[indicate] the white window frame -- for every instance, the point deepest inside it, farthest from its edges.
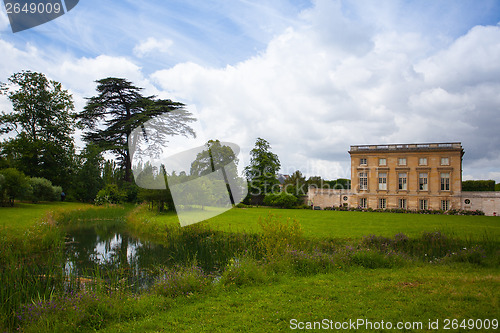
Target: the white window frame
(423, 181)
(403, 181)
(382, 161)
(403, 204)
(422, 161)
(423, 204)
(363, 202)
(402, 161)
(382, 203)
(445, 181)
(382, 181)
(363, 161)
(445, 161)
(363, 180)
(445, 205)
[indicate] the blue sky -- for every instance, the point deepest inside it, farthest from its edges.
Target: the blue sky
(311, 77)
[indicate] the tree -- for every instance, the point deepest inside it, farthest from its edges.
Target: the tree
(478, 185)
(43, 121)
(296, 184)
(13, 185)
(217, 157)
(117, 110)
(88, 179)
(263, 168)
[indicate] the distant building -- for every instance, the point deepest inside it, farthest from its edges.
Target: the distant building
(407, 176)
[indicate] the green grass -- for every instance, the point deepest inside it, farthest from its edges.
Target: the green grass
(261, 291)
(410, 294)
(355, 225)
(15, 220)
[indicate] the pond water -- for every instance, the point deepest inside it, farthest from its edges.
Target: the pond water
(109, 252)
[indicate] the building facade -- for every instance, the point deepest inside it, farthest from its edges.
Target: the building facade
(407, 176)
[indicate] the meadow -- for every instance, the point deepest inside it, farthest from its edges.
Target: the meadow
(256, 269)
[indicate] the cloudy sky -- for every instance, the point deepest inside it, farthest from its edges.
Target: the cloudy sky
(310, 77)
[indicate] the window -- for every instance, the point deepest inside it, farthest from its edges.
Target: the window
(445, 204)
(362, 161)
(382, 203)
(402, 181)
(423, 204)
(445, 161)
(402, 161)
(362, 202)
(422, 161)
(382, 161)
(382, 181)
(363, 180)
(402, 203)
(445, 181)
(422, 182)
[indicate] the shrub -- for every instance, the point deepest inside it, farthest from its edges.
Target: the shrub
(243, 271)
(180, 281)
(14, 185)
(278, 236)
(109, 194)
(42, 190)
(283, 200)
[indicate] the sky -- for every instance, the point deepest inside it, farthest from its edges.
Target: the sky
(310, 77)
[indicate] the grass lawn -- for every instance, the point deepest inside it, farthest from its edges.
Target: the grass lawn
(416, 294)
(336, 224)
(17, 219)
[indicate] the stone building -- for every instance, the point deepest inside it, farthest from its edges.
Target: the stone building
(407, 176)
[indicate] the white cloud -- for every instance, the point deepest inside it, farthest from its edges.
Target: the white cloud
(4, 21)
(323, 86)
(152, 45)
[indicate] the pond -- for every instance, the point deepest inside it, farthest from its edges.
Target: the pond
(107, 251)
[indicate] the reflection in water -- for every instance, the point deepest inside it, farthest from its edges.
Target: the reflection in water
(110, 252)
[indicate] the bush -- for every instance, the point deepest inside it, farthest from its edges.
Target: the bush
(278, 237)
(13, 185)
(283, 200)
(180, 281)
(42, 190)
(243, 271)
(109, 194)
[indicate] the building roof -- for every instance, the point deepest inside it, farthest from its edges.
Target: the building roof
(441, 146)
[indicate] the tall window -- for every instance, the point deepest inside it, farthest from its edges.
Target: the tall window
(382, 181)
(445, 161)
(363, 180)
(382, 161)
(402, 161)
(422, 182)
(362, 161)
(382, 203)
(362, 202)
(402, 181)
(445, 204)
(402, 203)
(445, 181)
(423, 204)
(422, 161)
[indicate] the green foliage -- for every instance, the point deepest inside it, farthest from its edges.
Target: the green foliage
(282, 199)
(44, 123)
(41, 189)
(244, 270)
(478, 185)
(110, 194)
(13, 185)
(497, 187)
(110, 117)
(182, 281)
(277, 237)
(88, 180)
(296, 184)
(263, 168)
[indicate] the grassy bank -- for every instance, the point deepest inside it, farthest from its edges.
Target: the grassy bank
(256, 269)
